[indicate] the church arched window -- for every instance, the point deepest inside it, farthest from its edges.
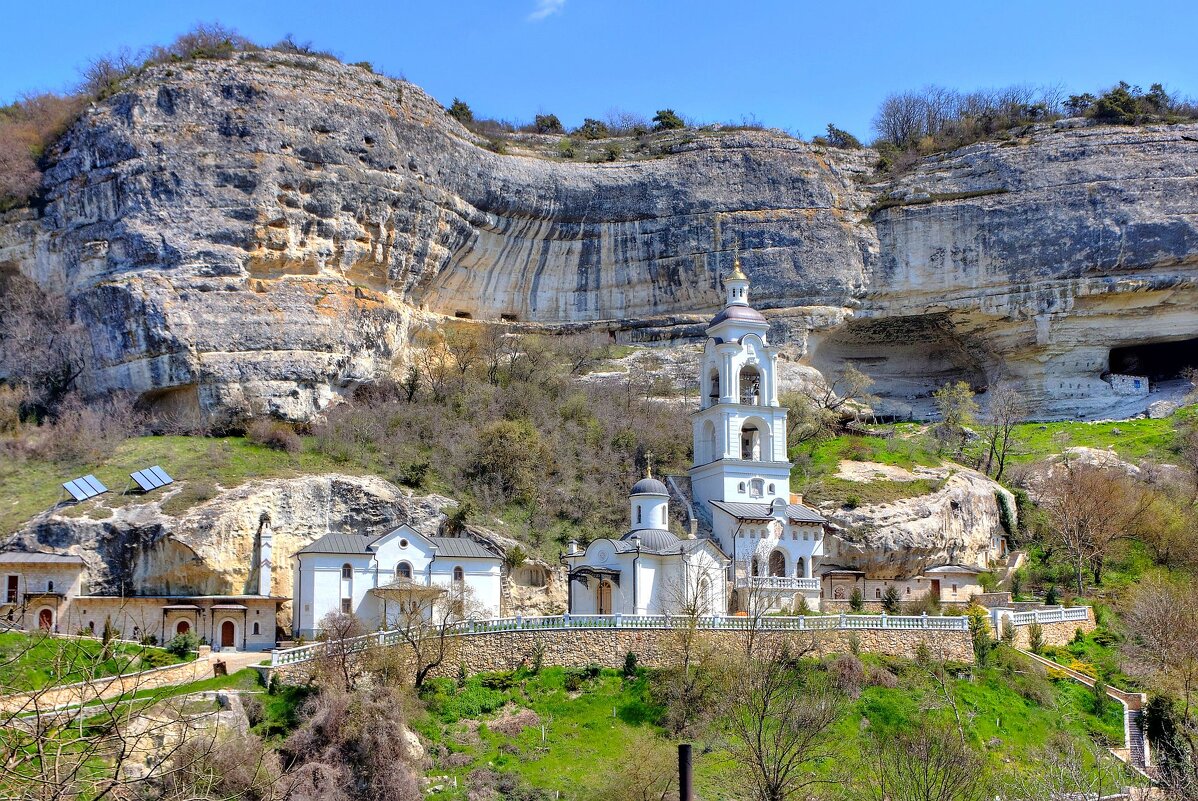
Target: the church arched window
(663, 516)
(772, 489)
(799, 565)
(777, 563)
(459, 575)
(741, 488)
(756, 487)
(403, 570)
(347, 571)
(638, 515)
(713, 387)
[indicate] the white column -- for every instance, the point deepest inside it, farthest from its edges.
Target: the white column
(265, 548)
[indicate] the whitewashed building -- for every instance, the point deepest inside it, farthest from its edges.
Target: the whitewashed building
(741, 473)
(371, 576)
(649, 570)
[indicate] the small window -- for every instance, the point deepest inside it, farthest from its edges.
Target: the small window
(346, 606)
(256, 629)
(458, 573)
(347, 571)
(49, 586)
(756, 488)
(954, 589)
(877, 592)
(663, 515)
(772, 490)
(403, 570)
(741, 488)
(908, 591)
(638, 515)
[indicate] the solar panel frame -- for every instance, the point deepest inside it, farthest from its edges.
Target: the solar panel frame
(76, 493)
(95, 484)
(145, 482)
(162, 475)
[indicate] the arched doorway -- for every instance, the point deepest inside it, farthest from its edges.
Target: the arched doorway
(603, 599)
(800, 568)
(228, 634)
(45, 620)
(182, 627)
(777, 563)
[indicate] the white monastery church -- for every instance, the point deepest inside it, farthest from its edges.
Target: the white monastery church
(764, 542)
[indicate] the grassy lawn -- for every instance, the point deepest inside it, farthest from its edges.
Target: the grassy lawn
(199, 464)
(851, 494)
(1133, 440)
(1010, 714)
(31, 662)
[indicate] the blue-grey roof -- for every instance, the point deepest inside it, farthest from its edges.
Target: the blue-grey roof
(649, 486)
(653, 539)
(953, 569)
(339, 543)
(796, 512)
(37, 557)
(460, 547)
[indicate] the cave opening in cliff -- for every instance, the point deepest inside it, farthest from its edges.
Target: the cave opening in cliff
(1157, 361)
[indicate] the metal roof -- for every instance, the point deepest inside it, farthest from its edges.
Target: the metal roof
(953, 569)
(339, 543)
(461, 547)
(652, 539)
(649, 486)
(36, 557)
(763, 511)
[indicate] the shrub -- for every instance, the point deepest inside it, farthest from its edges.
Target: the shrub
(881, 677)
(538, 658)
(514, 557)
(592, 129)
(611, 151)
(461, 674)
(504, 680)
(183, 644)
(274, 434)
(629, 665)
(548, 124)
(856, 600)
(565, 148)
(847, 674)
(460, 111)
(414, 474)
(1008, 632)
(891, 600)
(979, 632)
(801, 607)
(1098, 698)
(840, 138)
(1017, 584)
(1052, 596)
(666, 120)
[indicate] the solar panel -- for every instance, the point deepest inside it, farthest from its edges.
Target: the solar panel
(86, 487)
(151, 478)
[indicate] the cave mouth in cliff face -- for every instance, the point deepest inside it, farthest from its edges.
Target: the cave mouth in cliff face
(908, 359)
(1158, 361)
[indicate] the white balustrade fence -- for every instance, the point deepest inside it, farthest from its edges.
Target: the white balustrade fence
(797, 583)
(1059, 615)
(842, 622)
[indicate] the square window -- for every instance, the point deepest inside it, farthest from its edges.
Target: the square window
(346, 605)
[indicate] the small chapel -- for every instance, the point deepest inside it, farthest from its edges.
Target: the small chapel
(763, 542)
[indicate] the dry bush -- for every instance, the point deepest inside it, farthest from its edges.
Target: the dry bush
(41, 346)
(847, 674)
(512, 722)
(274, 434)
(233, 765)
(352, 746)
(88, 432)
(649, 776)
(27, 129)
(881, 677)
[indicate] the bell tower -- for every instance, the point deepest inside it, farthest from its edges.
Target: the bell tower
(740, 428)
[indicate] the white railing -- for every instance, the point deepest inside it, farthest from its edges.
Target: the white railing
(1059, 615)
(780, 583)
(841, 622)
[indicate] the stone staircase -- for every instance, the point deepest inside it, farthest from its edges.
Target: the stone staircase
(1135, 752)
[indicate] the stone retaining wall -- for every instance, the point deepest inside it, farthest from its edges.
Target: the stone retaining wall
(110, 687)
(1056, 633)
(659, 647)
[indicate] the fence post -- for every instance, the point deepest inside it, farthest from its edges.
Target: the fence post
(884, 624)
(924, 622)
(619, 620)
(840, 624)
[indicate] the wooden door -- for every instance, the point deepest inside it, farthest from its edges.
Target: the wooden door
(936, 589)
(10, 596)
(183, 627)
(45, 620)
(228, 633)
(604, 605)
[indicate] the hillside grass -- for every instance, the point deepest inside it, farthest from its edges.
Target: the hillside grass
(33, 661)
(199, 465)
(1010, 717)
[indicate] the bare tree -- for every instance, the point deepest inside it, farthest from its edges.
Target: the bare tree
(337, 660)
(1068, 769)
(696, 678)
(650, 776)
(427, 622)
(1090, 508)
(1162, 646)
(926, 763)
(958, 411)
(780, 722)
(434, 362)
(41, 346)
(1005, 408)
(849, 387)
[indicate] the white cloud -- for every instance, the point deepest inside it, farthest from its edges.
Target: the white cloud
(546, 8)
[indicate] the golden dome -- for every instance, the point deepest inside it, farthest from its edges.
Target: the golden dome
(737, 273)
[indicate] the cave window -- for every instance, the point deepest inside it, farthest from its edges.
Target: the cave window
(509, 318)
(463, 315)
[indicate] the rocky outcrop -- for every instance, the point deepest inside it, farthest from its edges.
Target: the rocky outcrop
(957, 523)
(263, 232)
(209, 549)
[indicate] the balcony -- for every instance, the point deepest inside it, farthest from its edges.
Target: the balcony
(786, 583)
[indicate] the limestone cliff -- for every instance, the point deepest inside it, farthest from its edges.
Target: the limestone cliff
(262, 232)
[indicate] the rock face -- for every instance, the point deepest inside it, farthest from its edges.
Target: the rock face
(955, 524)
(209, 549)
(263, 232)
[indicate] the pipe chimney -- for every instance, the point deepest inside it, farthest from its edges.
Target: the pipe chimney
(265, 547)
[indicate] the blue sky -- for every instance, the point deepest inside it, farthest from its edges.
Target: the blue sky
(790, 64)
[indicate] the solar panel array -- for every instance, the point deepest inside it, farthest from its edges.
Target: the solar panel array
(83, 488)
(151, 478)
